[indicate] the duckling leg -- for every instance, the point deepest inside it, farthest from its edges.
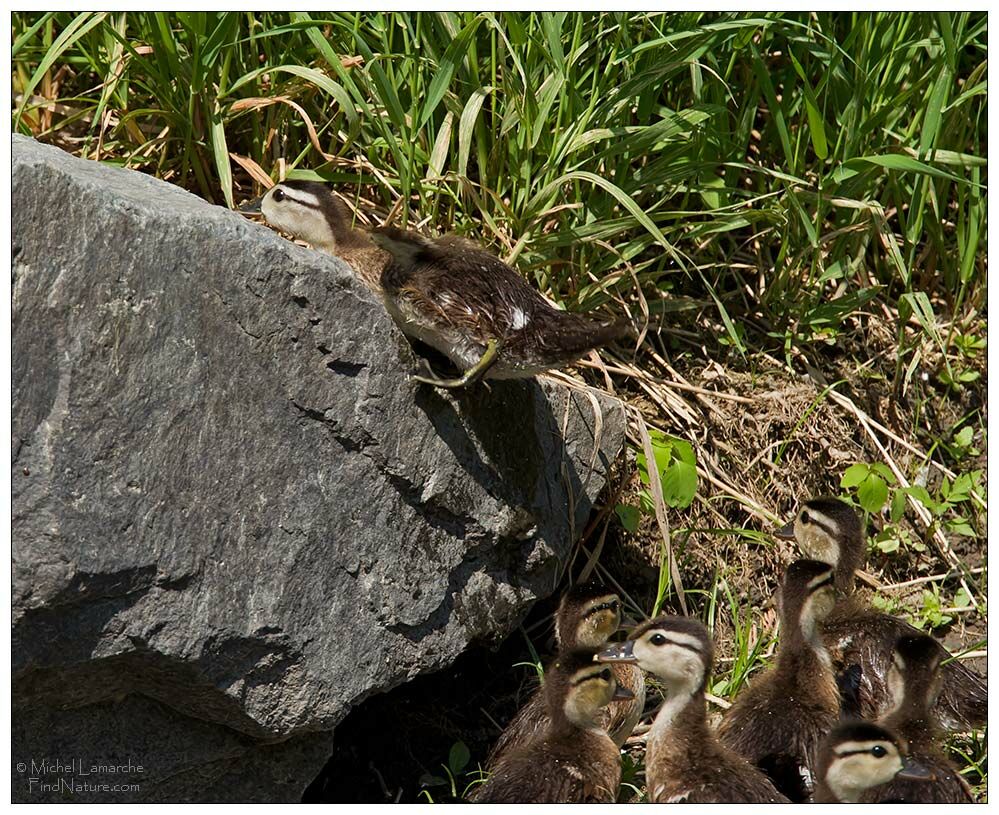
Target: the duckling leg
(473, 374)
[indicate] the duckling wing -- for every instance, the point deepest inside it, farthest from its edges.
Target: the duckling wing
(528, 723)
(548, 772)
(861, 642)
(453, 283)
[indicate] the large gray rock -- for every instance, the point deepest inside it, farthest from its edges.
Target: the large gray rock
(234, 515)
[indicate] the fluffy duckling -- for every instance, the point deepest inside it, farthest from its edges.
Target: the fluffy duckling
(588, 615)
(861, 639)
(857, 756)
(778, 722)
(573, 761)
(309, 211)
(914, 679)
(684, 761)
(479, 312)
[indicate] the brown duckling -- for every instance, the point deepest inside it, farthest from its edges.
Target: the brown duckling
(479, 312)
(573, 760)
(857, 756)
(861, 639)
(914, 679)
(779, 720)
(587, 616)
(310, 211)
(684, 761)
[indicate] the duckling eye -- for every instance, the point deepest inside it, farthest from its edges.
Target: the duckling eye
(279, 194)
(878, 751)
(657, 639)
(805, 519)
(614, 605)
(606, 674)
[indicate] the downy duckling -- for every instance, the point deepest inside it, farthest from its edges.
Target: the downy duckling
(587, 616)
(573, 761)
(914, 679)
(857, 756)
(684, 761)
(479, 312)
(779, 720)
(861, 639)
(309, 211)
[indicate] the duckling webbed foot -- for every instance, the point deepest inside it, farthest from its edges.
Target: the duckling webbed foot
(472, 375)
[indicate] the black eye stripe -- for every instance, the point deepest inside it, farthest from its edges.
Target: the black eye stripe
(610, 605)
(827, 582)
(667, 641)
(869, 751)
(588, 678)
(811, 520)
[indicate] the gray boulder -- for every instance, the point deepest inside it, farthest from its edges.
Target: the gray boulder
(235, 517)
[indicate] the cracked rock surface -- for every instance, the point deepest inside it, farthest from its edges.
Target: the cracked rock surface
(234, 515)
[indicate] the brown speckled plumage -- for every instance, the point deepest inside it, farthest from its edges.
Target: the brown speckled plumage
(565, 763)
(684, 761)
(618, 718)
(457, 297)
(913, 722)
(861, 639)
(778, 722)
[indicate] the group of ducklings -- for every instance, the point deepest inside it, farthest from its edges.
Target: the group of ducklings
(851, 710)
(856, 700)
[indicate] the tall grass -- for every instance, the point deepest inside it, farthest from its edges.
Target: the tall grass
(780, 167)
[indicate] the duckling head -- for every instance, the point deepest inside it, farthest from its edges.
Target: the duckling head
(678, 650)
(913, 677)
(587, 616)
(576, 688)
(808, 594)
(308, 210)
(857, 755)
(829, 530)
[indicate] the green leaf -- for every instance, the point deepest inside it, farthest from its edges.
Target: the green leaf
(854, 475)
(908, 164)
(459, 757)
(467, 124)
(872, 493)
(884, 471)
(629, 517)
(456, 52)
(964, 436)
(680, 484)
(816, 127)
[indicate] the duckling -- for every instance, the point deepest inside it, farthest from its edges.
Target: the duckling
(861, 639)
(779, 720)
(857, 756)
(572, 760)
(586, 618)
(684, 761)
(310, 211)
(914, 679)
(479, 312)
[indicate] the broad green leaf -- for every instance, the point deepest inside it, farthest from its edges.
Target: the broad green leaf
(680, 484)
(872, 494)
(854, 475)
(629, 517)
